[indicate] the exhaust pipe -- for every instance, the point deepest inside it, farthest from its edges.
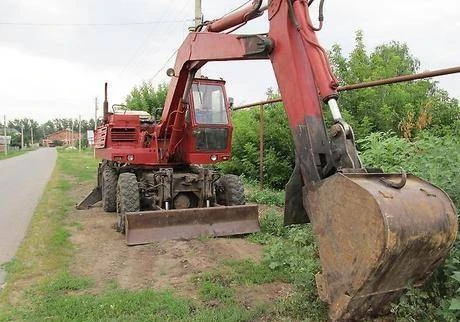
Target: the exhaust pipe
(106, 104)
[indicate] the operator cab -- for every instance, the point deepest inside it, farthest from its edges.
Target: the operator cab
(209, 122)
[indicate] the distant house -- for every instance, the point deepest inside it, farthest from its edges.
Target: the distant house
(63, 137)
(4, 140)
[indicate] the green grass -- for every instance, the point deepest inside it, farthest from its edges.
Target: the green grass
(14, 153)
(290, 256)
(210, 290)
(265, 196)
(40, 287)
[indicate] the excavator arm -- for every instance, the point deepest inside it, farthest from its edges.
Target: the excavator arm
(198, 49)
(377, 232)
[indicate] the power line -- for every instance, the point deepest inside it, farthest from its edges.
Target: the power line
(115, 24)
(143, 45)
(139, 57)
(237, 8)
(175, 51)
(164, 65)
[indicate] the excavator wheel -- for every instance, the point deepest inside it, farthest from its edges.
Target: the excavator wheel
(109, 188)
(127, 194)
(230, 190)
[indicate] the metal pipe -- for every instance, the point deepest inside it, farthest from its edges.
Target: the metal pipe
(5, 142)
(386, 81)
(400, 79)
(241, 107)
(236, 18)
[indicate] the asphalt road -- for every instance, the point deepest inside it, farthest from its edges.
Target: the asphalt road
(22, 181)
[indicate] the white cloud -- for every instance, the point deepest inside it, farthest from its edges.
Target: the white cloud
(48, 72)
(42, 88)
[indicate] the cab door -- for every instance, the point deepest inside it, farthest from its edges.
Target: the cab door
(210, 122)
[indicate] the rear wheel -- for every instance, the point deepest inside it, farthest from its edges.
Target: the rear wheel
(127, 197)
(230, 190)
(109, 188)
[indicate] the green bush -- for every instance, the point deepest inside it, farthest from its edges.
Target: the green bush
(278, 152)
(437, 160)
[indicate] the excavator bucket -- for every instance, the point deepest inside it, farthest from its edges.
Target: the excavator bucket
(147, 226)
(376, 237)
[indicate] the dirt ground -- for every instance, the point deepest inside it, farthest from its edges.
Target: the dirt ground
(101, 254)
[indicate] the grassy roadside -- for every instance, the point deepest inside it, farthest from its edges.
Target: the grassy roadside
(14, 153)
(40, 287)
(45, 251)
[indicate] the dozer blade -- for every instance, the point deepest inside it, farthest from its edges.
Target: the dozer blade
(376, 238)
(148, 226)
(91, 199)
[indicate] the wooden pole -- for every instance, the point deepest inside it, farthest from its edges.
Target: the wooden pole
(22, 136)
(79, 132)
(5, 142)
(261, 146)
(198, 14)
(95, 127)
(31, 133)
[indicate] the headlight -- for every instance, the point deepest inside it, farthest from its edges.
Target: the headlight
(213, 157)
(130, 157)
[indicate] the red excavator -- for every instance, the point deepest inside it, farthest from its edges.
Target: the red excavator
(376, 232)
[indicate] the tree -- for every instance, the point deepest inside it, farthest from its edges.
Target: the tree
(26, 124)
(147, 98)
(404, 108)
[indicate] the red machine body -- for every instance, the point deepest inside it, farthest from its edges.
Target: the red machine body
(205, 135)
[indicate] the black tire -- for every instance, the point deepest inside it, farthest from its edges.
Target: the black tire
(109, 188)
(127, 197)
(230, 190)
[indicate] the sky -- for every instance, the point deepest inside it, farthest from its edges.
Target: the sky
(57, 54)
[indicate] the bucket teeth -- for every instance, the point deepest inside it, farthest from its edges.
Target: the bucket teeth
(375, 239)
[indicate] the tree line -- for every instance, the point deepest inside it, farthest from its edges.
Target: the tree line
(30, 127)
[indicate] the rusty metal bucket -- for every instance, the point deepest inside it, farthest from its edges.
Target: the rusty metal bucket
(147, 226)
(375, 240)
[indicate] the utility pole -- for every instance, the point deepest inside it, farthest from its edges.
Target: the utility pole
(79, 132)
(198, 15)
(71, 133)
(261, 146)
(5, 142)
(95, 114)
(31, 133)
(22, 136)
(95, 127)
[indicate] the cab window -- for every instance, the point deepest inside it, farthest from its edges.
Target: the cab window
(209, 104)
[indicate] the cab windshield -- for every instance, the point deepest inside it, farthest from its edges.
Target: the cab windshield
(209, 104)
